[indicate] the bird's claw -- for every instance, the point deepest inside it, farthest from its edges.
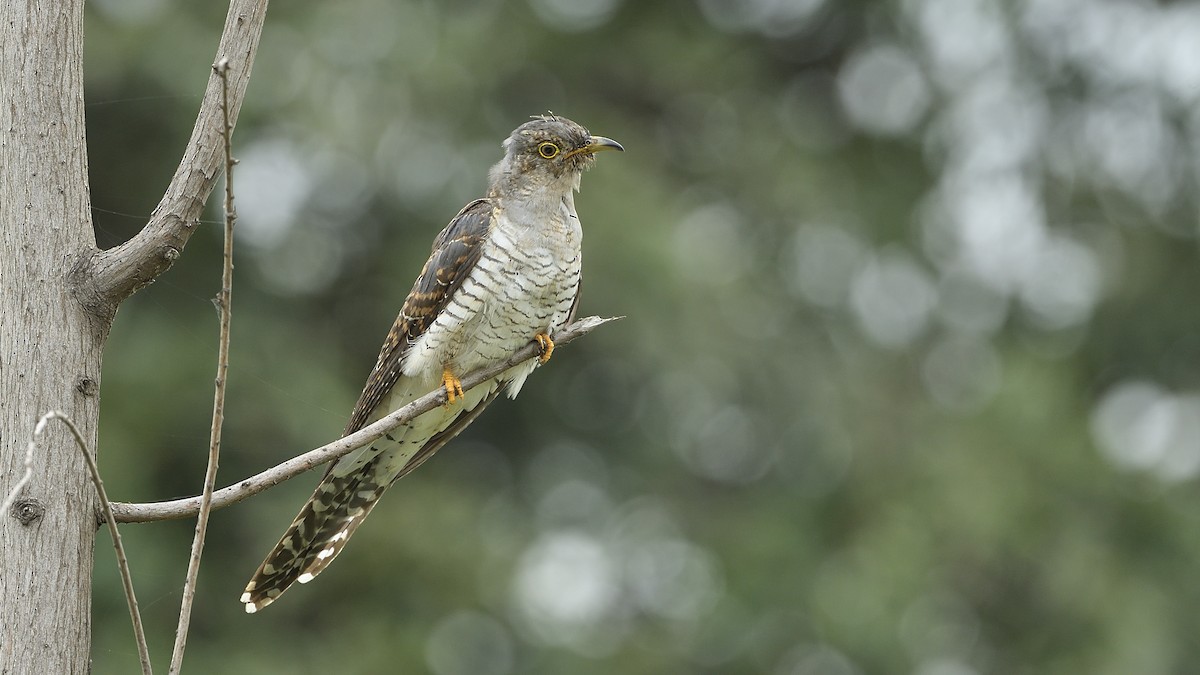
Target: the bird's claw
(453, 387)
(546, 345)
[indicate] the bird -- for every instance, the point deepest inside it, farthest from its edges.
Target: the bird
(504, 272)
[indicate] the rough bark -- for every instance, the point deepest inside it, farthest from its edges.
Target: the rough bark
(50, 348)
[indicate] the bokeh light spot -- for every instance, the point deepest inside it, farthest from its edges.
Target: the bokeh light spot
(823, 260)
(892, 298)
(272, 183)
(469, 643)
(1140, 426)
(884, 91)
(575, 15)
(675, 579)
(566, 585)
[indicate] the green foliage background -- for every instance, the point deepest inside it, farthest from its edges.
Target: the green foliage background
(908, 381)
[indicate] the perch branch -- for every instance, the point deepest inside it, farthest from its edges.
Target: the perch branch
(103, 279)
(105, 507)
(182, 508)
(224, 306)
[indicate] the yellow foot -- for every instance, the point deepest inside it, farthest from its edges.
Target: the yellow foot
(546, 345)
(454, 390)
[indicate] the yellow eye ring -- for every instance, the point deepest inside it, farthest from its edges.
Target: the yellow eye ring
(547, 150)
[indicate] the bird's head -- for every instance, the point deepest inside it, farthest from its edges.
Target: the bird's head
(548, 151)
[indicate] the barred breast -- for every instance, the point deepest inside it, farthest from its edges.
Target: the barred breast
(525, 283)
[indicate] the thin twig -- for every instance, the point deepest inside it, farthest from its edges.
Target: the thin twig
(139, 632)
(223, 302)
(183, 508)
(12, 496)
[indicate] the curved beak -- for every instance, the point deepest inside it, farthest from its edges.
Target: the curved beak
(596, 144)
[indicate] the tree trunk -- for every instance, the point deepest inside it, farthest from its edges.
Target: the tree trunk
(50, 348)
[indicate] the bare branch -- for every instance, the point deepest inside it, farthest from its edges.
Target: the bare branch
(16, 491)
(224, 304)
(182, 508)
(104, 278)
(106, 507)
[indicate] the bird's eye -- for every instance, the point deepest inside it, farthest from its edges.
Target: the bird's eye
(548, 150)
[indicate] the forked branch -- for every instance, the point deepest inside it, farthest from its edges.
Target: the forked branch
(105, 278)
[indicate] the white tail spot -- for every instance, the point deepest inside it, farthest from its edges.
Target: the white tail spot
(305, 578)
(251, 608)
(245, 597)
(327, 553)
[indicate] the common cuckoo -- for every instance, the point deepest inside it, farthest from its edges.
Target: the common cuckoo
(504, 272)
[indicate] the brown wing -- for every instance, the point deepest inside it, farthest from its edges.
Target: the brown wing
(455, 251)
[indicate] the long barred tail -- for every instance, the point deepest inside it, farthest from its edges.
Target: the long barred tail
(320, 531)
(351, 489)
